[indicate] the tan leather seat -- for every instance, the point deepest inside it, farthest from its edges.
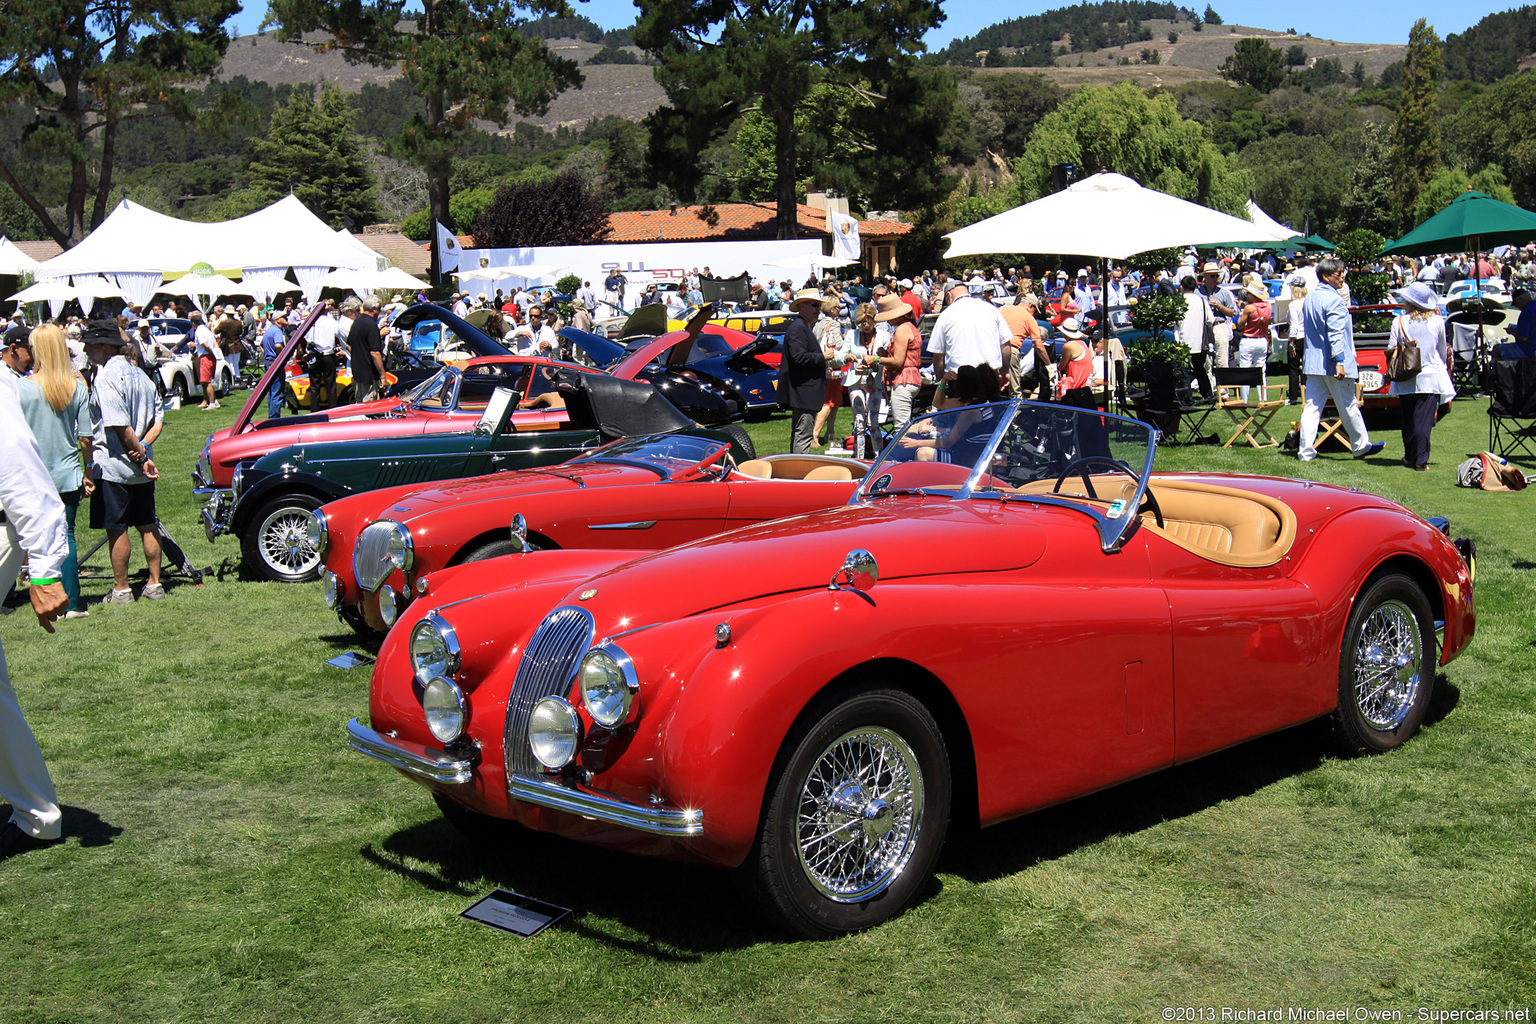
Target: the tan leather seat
(756, 467)
(829, 473)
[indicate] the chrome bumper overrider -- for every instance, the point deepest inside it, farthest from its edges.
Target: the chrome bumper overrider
(202, 485)
(215, 516)
(422, 761)
(660, 821)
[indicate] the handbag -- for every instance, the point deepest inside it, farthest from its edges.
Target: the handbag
(1405, 362)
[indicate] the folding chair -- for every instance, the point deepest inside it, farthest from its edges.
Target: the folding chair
(1466, 358)
(1512, 410)
(1251, 415)
(1334, 427)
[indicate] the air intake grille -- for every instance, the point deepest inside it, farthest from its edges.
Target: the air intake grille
(370, 555)
(547, 668)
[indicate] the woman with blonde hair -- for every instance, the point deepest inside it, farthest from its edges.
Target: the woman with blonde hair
(54, 402)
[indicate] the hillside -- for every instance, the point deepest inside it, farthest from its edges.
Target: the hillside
(628, 90)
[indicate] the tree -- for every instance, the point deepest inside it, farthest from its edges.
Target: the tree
(1295, 56)
(1020, 101)
(1416, 132)
(81, 71)
(1173, 37)
(1450, 182)
(719, 60)
(1254, 62)
(559, 212)
(1211, 17)
(1493, 129)
(1123, 129)
(467, 60)
(313, 152)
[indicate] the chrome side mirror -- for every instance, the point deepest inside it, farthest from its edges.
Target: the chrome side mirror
(519, 532)
(859, 572)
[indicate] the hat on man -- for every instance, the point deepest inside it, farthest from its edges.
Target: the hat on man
(806, 295)
(906, 282)
(891, 308)
(1069, 329)
(17, 334)
(1211, 268)
(1418, 295)
(102, 332)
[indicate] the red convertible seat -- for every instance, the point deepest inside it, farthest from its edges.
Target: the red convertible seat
(1223, 524)
(805, 467)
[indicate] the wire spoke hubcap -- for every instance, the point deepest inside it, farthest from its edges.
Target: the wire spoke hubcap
(857, 824)
(285, 544)
(1389, 660)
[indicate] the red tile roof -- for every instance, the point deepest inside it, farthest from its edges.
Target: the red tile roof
(410, 256)
(732, 221)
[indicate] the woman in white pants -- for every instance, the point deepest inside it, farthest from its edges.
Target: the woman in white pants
(862, 381)
(1253, 328)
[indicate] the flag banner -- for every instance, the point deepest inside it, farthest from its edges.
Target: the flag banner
(845, 235)
(447, 251)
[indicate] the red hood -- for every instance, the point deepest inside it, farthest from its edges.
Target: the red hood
(424, 500)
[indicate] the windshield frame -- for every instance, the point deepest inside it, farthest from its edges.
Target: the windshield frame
(1115, 525)
(604, 455)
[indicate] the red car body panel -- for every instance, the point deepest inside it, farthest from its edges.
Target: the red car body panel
(680, 345)
(581, 504)
(245, 442)
(1058, 668)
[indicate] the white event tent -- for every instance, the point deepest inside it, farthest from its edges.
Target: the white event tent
(136, 247)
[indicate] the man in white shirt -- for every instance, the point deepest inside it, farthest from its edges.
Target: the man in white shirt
(535, 338)
(321, 340)
(35, 524)
(969, 332)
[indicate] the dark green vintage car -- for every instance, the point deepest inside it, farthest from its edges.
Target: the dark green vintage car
(272, 498)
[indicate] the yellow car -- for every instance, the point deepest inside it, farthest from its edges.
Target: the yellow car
(750, 321)
(296, 387)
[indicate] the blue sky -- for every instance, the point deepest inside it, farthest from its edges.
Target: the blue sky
(1352, 21)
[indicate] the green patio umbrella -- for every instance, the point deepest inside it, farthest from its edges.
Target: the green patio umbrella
(1472, 222)
(1317, 243)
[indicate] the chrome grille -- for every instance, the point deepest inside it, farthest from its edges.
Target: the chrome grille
(547, 668)
(370, 555)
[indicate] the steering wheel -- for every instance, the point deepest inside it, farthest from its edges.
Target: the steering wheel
(1149, 503)
(1081, 463)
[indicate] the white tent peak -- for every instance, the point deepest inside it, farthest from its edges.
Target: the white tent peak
(1104, 181)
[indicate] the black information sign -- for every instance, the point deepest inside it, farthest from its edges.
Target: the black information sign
(510, 912)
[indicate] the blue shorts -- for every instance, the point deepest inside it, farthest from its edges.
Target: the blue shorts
(126, 506)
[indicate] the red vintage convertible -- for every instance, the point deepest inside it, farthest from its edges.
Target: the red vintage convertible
(637, 494)
(1011, 611)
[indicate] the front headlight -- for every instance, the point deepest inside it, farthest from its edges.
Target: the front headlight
(554, 732)
(331, 589)
(235, 481)
(400, 551)
(434, 649)
(389, 610)
(608, 685)
(317, 528)
(445, 708)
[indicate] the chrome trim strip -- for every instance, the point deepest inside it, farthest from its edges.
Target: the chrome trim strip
(658, 821)
(421, 761)
(622, 526)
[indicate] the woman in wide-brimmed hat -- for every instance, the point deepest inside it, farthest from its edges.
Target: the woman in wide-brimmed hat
(1253, 325)
(1423, 396)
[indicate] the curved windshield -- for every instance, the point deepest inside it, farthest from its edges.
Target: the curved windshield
(1022, 451)
(436, 392)
(668, 454)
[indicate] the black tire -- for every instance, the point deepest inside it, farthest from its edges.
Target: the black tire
(823, 783)
(480, 829)
(495, 549)
(1386, 666)
(183, 388)
(274, 546)
(289, 398)
(354, 618)
(741, 439)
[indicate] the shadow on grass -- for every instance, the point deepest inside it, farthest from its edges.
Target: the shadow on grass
(83, 826)
(678, 913)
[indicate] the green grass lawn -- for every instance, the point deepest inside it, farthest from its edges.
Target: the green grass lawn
(229, 859)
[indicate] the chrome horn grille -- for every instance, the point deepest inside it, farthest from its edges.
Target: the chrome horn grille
(370, 555)
(548, 666)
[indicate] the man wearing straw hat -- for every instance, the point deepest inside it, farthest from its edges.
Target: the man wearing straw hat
(803, 371)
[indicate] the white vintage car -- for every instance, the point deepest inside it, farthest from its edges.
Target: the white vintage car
(170, 353)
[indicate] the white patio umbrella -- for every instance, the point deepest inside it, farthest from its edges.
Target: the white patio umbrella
(809, 261)
(360, 281)
(55, 292)
(525, 272)
(89, 289)
(205, 286)
(1106, 215)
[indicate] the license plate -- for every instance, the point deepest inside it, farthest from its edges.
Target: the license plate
(1370, 380)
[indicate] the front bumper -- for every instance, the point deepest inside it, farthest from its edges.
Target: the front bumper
(202, 485)
(440, 766)
(216, 515)
(421, 761)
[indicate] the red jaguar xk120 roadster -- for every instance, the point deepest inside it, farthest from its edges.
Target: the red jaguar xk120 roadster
(1010, 611)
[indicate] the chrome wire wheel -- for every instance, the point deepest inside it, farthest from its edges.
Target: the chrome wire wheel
(1389, 660)
(275, 540)
(859, 812)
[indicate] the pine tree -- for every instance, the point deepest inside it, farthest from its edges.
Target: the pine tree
(80, 71)
(313, 152)
(1416, 133)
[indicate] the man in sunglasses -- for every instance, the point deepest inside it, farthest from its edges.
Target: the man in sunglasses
(17, 354)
